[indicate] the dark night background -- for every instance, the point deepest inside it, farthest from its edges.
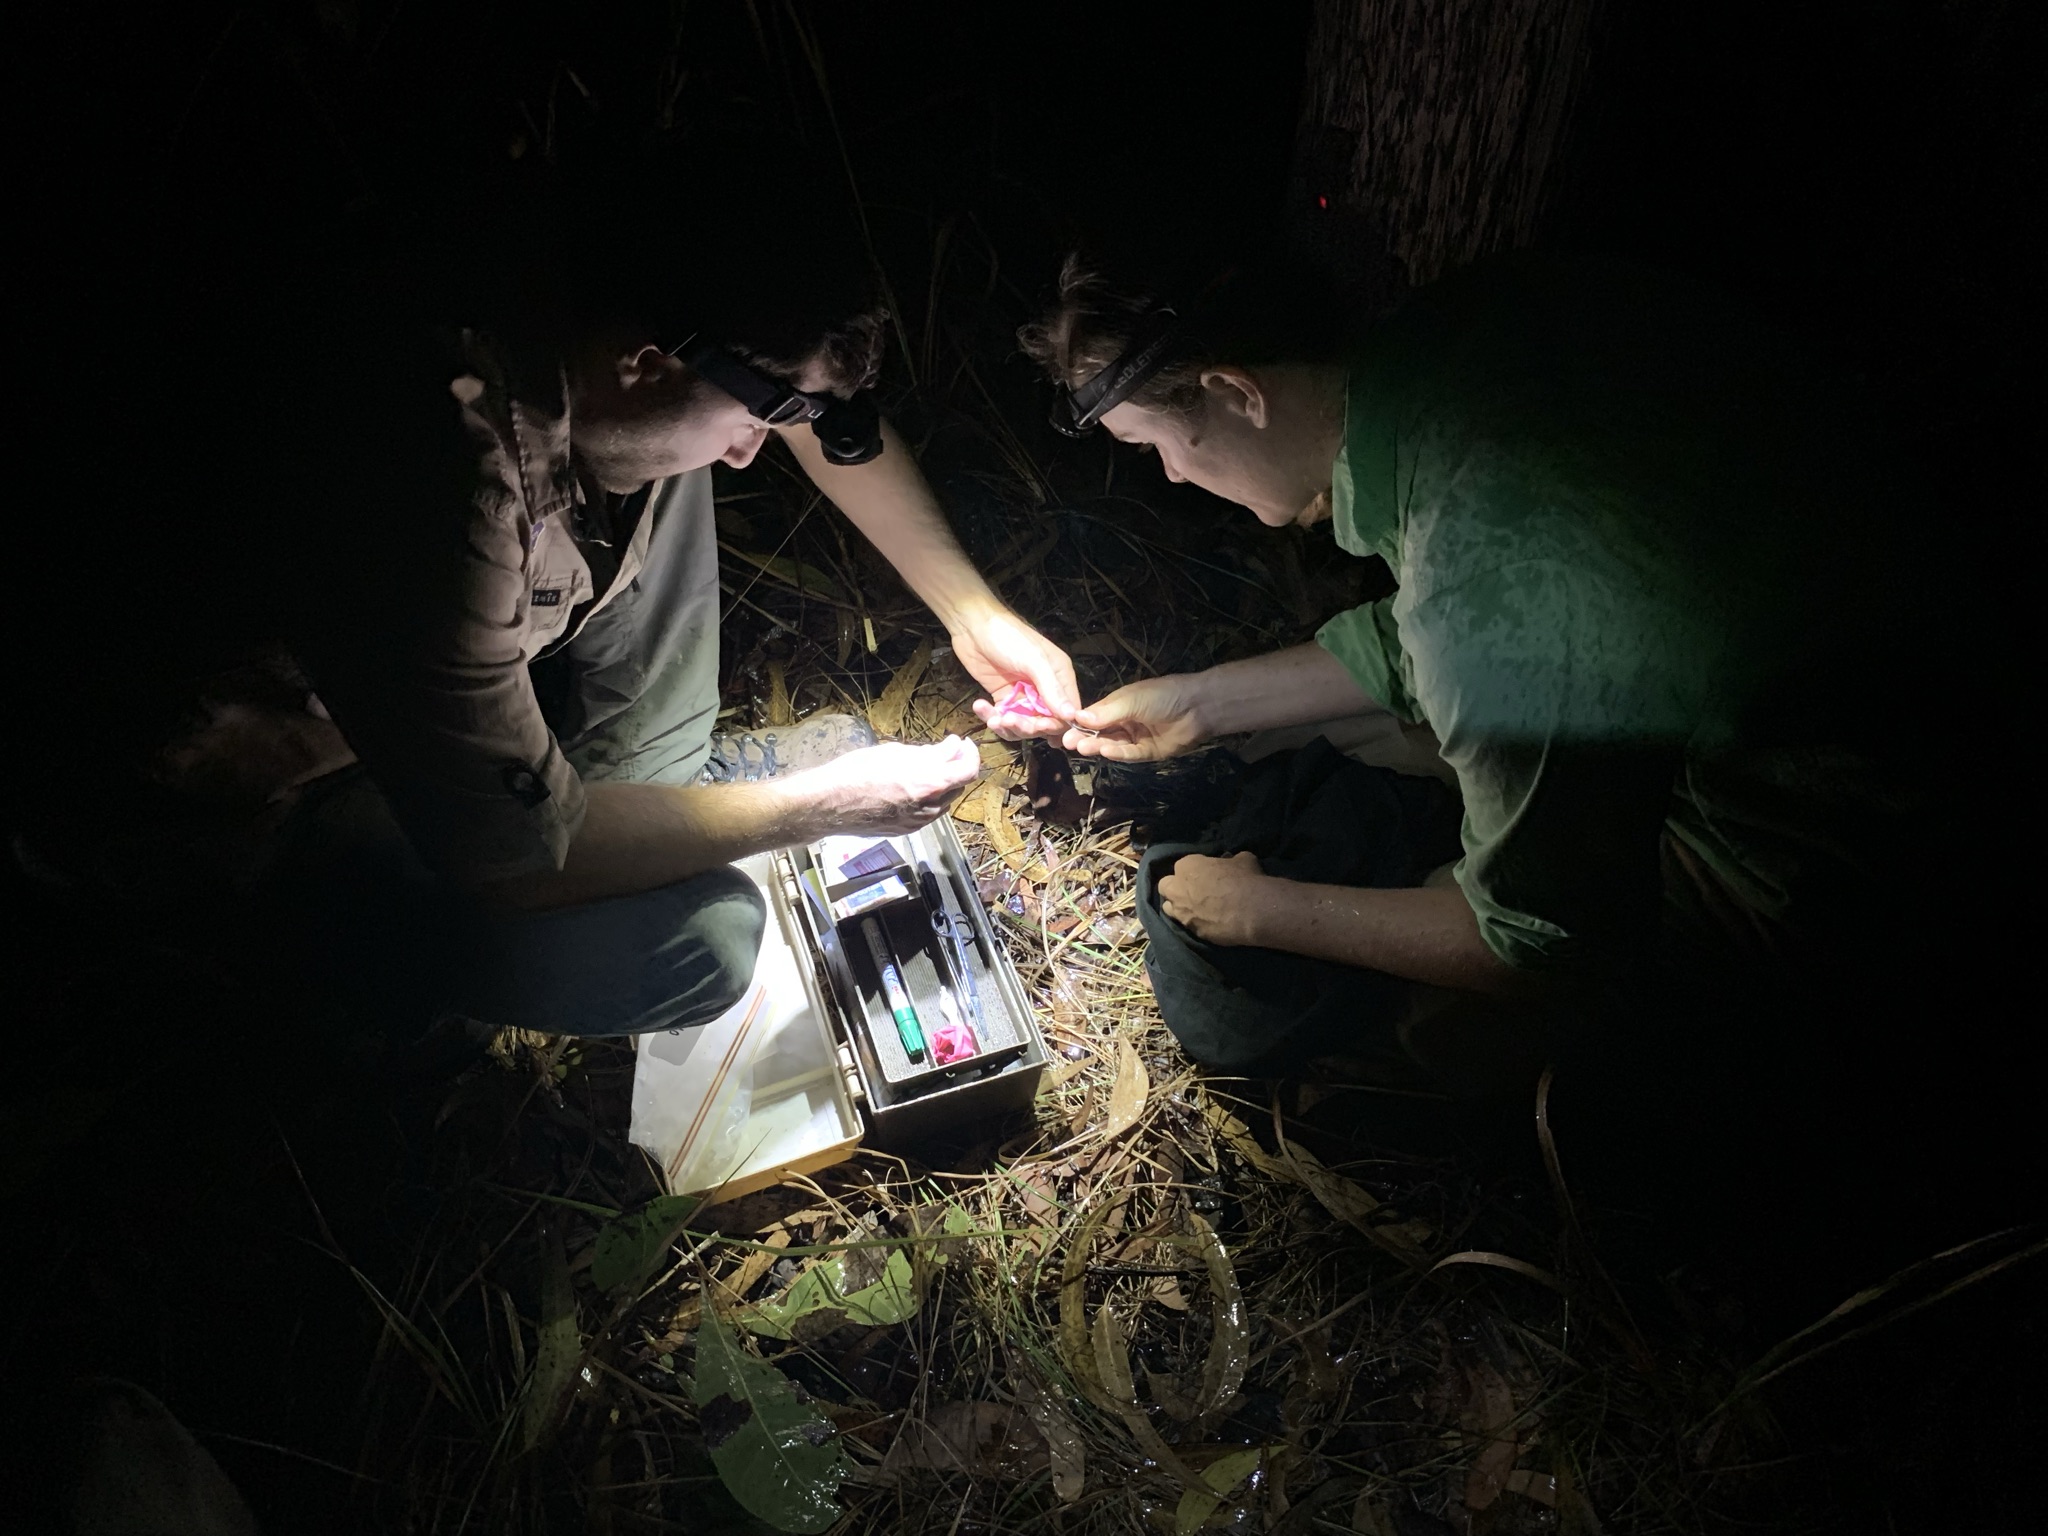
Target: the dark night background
(189, 181)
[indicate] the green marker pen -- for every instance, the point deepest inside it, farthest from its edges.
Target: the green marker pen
(892, 990)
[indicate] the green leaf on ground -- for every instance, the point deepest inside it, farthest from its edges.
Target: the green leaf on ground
(817, 1301)
(560, 1349)
(778, 1457)
(630, 1246)
(1221, 1475)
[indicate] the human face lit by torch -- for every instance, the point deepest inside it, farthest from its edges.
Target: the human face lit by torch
(1265, 438)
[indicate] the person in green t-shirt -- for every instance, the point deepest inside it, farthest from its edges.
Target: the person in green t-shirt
(1645, 553)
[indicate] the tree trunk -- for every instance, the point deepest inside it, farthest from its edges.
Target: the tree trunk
(1436, 124)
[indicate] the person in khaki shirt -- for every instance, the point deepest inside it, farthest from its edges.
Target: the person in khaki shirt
(525, 657)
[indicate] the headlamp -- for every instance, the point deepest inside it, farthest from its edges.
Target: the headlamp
(849, 431)
(1077, 411)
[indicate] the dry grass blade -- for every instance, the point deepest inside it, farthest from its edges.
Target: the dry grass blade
(1505, 1261)
(1336, 1194)
(1786, 1356)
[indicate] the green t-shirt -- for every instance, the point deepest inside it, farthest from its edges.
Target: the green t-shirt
(1644, 552)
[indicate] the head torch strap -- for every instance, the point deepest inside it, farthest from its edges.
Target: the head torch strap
(849, 431)
(1145, 356)
(766, 399)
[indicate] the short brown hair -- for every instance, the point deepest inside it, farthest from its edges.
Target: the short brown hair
(773, 266)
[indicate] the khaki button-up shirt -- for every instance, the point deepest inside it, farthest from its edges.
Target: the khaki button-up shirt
(433, 690)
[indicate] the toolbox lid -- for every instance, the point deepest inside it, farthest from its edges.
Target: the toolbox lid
(758, 1093)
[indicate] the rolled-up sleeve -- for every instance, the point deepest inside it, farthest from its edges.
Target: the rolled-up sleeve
(434, 695)
(1368, 642)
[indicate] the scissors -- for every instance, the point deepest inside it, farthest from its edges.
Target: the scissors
(948, 927)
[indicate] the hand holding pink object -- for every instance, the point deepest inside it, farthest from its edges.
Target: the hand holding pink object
(1020, 709)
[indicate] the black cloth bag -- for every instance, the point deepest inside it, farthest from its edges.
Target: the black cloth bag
(1313, 815)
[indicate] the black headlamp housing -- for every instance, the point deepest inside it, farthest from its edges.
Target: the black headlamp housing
(849, 431)
(1077, 411)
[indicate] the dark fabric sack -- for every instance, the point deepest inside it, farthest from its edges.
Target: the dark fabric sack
(1318, 816)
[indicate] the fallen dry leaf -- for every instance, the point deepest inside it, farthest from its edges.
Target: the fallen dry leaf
(1167, 1394)
(1067, 1069)
(982, 801)
(733, 1288)
(1343, 1199)
(1113, 1372)
(1488, 1420)
(1230, 1338)
(1127, 1096)
(1078, 1121)
(1369, 1516)
(887, 713)
(1069, 1452)
(991, 1440)
(1074, 1345)
(1165, 1289)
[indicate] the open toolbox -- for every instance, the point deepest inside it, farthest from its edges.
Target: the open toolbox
(883, 1010)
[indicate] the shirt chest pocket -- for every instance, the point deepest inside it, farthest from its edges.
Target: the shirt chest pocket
(558, 582)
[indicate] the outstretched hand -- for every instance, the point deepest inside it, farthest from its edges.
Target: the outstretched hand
(1215, 899)
(888, 789)
(1140, 723)
(999, 651)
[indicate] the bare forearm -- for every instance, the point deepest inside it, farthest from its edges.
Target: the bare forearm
(890, 502)
(640, 837)
(1292, 687)
(1426, 934)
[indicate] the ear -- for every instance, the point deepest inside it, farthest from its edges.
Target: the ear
(1234, 391)
(646, 365)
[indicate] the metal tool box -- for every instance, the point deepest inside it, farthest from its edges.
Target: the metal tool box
(809, 1065)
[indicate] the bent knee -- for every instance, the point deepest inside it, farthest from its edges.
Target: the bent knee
(727, 922)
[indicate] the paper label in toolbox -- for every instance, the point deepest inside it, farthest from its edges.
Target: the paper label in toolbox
(757, 1088)
(856, 858)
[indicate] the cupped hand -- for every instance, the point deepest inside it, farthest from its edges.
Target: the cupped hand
(1140, 723)
(890, 788)
(999, 649)
(1215, 899)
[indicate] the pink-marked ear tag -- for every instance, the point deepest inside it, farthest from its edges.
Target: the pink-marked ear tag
(1021, 701)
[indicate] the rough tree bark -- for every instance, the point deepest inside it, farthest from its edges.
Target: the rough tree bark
(1435, 125)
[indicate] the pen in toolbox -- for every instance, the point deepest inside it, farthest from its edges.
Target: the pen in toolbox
(893, 992)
